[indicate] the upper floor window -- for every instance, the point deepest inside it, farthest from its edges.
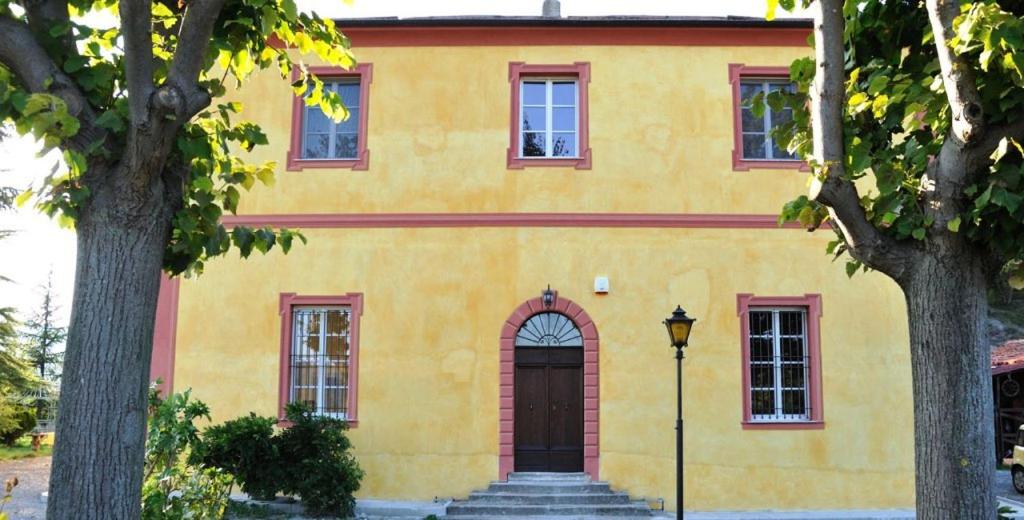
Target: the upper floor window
(319, 142)
(758, 142)
(320, 352)
(322, 138)
(781, 361)
(549, 115)
(754, 146)
(548, 118)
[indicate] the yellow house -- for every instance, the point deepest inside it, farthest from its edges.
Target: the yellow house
(614, 160)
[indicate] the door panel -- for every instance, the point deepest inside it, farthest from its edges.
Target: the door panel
(549, 409)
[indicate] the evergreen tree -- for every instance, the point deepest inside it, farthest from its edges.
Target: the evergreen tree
(43, 337)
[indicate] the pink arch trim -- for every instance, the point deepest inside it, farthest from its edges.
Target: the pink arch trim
(591, 387)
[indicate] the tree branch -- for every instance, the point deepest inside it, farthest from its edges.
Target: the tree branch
(193, 42)
(136, 20)
(43, 15)
(25, 57)
(957, 75)
(866, 243)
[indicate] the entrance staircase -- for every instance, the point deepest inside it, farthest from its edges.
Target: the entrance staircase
(547, 495)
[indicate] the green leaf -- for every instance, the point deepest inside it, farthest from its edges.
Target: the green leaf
(22, 198)
(877, 84)
(918, 233)
(773, 5)
(954, 225)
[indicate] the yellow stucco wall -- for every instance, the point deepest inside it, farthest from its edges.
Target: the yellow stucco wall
(660, 123)
(435, 299)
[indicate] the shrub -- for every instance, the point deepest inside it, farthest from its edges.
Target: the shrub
(16, 422)
(245, 448)
(317, 463)
(173, 488)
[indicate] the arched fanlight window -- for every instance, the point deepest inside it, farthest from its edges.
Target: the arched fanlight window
(549, 329)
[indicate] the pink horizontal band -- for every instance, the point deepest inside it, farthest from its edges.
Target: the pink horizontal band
(413, 220)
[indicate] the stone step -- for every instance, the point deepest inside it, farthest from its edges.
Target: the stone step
(548, 498)
(553, 487)
(463, 509)
(547, 477)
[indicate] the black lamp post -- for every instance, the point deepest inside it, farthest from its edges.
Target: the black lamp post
(679, 325)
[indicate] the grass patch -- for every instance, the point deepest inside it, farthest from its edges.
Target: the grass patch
(22, 449)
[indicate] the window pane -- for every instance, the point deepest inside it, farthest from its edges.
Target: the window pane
(534, 93)
(315, 146)
(337, 322)
(793, 375)
(316, 121)
(793, 402)
(334, 400)
(760, 323)
(306, 396)
(337, 348)
(748, 91)
(792, 349)
(534, 119)
(563, 93)
(753, 146)
(791, 323)
(762, 402)
(762, 375)
(563, 119)
(761, 349)
(780, 87)
(751, 123)
(779, 153)
(563, 144)
(347, 146)
(350, 125)
(349, 93)
(533, 144)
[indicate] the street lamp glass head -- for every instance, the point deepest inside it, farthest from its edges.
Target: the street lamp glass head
(679, 325)
(548, 297)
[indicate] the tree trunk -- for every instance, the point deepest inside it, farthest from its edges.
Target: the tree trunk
(98, 457)
(953, 431)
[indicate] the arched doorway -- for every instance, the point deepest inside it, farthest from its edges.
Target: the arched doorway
(549, 389)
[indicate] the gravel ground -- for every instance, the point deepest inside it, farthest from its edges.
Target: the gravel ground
(33, 478)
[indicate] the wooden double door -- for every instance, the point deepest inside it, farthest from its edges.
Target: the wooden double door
(549, 409)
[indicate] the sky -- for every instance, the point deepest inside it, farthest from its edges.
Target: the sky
(40, 247)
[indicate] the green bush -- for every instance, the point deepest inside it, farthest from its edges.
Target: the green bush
(245, 448)
(16, 422)
(317, 463)
(173, 488)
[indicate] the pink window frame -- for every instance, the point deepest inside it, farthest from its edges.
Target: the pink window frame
(737, 72)
(290, 300)
(295, 162)
(811, 302)
(518, 70)
(591, 383)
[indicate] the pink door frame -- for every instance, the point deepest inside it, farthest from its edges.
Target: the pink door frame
(506, 399)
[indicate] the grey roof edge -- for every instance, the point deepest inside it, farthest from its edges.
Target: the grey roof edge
(580, 21)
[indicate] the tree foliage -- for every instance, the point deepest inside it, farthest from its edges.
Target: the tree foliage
(898, 117)
(81, 102)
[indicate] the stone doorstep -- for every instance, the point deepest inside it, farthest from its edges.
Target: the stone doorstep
(365, 508)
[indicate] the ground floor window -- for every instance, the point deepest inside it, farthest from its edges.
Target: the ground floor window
(778, 364)
(320, 352)
(780, 341)
(319, 359)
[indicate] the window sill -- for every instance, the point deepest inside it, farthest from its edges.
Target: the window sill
(782, 425)
(285, 423)
(361, 163)
(742, 165)
(518, 163)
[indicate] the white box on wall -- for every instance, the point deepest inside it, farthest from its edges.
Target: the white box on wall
(601, 285)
